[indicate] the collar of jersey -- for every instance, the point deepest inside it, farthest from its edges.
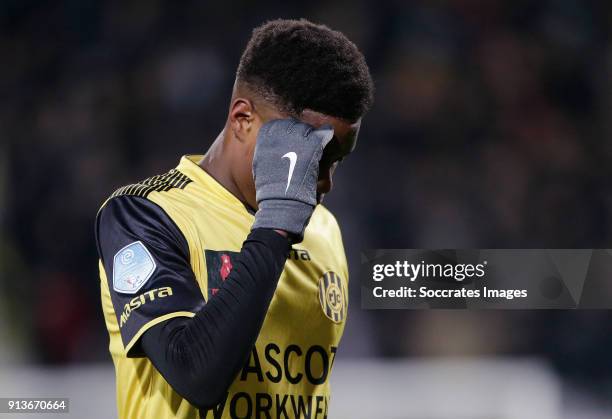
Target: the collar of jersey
(190, 167)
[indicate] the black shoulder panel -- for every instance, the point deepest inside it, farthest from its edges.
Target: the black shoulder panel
(159, 183)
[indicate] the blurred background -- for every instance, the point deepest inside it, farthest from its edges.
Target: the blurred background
(491, 129)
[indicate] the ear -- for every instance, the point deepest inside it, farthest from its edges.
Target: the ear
(241, 117)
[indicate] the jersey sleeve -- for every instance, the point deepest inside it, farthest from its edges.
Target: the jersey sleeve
(146, 260)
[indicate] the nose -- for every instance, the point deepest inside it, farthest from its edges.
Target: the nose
(324, 186)
(325, 182)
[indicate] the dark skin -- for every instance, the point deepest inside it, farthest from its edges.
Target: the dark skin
(230, 158)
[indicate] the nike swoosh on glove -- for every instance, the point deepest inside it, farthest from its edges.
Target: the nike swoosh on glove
(285, 170)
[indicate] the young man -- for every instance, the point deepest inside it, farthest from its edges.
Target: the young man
(219, 302)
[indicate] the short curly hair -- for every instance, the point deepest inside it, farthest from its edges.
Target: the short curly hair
(297, 65)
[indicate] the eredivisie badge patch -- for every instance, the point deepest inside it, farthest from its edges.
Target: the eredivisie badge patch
(332, 296)
(133, 265)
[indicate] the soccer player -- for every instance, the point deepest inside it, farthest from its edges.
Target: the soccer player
(224, 282)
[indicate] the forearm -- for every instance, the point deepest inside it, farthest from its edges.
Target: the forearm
(201, 356)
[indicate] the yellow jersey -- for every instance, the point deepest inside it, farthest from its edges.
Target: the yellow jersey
(287, 374)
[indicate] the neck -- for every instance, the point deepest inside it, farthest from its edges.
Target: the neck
(217, 164)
